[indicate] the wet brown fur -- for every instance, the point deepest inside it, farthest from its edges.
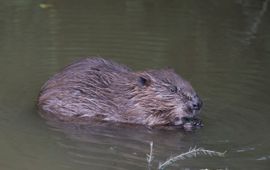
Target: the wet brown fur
(99, 89)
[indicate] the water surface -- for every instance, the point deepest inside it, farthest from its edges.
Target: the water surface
(221, 47)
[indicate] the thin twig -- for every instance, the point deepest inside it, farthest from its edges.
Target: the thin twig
(192, 153)
(149, 157)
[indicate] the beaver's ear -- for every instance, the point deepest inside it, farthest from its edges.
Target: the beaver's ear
(144, 81)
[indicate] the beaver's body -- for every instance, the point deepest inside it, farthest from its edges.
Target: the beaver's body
(99, 89)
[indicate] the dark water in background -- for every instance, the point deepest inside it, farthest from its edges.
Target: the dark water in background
(221, 47)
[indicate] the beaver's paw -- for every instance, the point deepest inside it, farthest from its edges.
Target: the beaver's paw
(192, 123)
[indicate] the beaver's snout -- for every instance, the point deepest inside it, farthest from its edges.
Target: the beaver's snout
(196, 103)
(193, 106)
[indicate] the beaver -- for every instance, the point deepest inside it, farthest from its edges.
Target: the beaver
(97, 89)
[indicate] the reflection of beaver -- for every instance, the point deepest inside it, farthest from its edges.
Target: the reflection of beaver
(99, 89)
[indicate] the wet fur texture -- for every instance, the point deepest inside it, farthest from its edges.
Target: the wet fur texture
(99, 89)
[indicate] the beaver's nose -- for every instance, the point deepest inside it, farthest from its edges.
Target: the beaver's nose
(196, 103)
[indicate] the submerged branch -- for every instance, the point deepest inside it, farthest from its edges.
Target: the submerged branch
(149, 157)
(192, 153)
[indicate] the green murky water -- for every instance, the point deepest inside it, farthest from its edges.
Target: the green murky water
(221, 47)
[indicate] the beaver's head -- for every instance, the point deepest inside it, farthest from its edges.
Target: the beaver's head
(167, 99)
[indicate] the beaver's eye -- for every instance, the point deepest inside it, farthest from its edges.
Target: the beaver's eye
(173, 89)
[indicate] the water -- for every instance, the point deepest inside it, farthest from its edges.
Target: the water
(221, 47)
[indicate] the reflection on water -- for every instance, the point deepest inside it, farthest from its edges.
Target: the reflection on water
(221, 47)
(117, 147)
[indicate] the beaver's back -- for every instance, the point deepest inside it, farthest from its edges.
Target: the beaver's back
(82, 90)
